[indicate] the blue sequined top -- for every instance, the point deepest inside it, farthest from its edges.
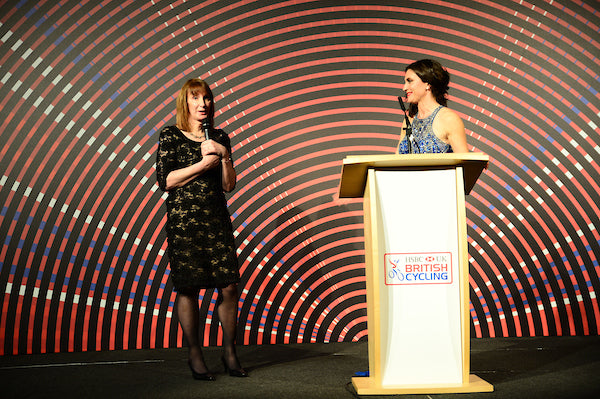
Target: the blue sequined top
(425, 140)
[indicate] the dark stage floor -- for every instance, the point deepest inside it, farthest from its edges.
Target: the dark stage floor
(556, 367)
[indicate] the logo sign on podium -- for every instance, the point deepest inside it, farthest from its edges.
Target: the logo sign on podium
(418, 268)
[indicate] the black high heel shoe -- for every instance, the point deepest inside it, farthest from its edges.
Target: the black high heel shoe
(201, 376)
(234, 373)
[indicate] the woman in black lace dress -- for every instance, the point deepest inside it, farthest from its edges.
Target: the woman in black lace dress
(196, 171)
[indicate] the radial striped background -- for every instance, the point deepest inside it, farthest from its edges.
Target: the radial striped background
(86, 85)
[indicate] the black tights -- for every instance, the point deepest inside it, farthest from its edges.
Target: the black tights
(188, 313)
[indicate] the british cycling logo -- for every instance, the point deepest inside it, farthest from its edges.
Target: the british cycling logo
(418, 268)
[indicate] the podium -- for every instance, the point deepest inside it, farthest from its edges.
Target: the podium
(417, 270)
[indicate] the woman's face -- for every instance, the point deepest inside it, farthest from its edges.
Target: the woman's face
(414, 87)
(198, 105)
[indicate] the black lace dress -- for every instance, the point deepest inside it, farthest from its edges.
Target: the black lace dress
(201, 246)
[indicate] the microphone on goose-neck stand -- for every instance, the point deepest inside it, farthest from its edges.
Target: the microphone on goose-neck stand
(206, 128)
(409, 138)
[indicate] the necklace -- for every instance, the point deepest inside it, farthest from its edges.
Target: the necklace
(197, 136)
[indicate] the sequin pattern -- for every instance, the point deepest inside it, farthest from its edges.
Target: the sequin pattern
(426, 142)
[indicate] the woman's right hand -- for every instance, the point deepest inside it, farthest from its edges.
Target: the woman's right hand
(212, 147)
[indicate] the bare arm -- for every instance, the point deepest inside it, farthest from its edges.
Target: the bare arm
(453, 130)
(229, 176)
(183, 176)
(212, 154)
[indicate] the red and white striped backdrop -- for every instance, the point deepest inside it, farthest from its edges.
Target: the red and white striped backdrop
(86, 85)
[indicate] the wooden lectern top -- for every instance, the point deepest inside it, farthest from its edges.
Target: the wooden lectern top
(354, 168)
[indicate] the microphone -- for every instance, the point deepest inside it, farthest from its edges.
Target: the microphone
(408, 128)
(207, 128)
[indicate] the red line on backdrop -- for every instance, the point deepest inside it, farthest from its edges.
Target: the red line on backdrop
(125, 271)
(352, 323)
(287, 296)
(17, 132)
(37, 284)
(41, 142)
(296, 188)
(15, 27)
(141, 266)
(18, 313)
(248, 155)
(307, 78)
(273, 233)
(497, 273)
(297, 299)
(512, 272)
(291, 296)
(338, 301)
(21, 284)
(245, 262)
(504, 286)
(21, 21)
(475, 318)
(297, 66)
(149, 284)
(10, 232)
(303, 118)
(95, 207)
(522, 150)
(104, 217)
(484, 305)
(276, 214)
(321, 100)
(561, 21)
(400, 11)
(523, 264)
(104, 295)
(515, 27)
(411, 23)
(554, 268)
(51, 288)
(5, 303)
(257, 271)
(280, 167)
(308, 315)
(160, 283)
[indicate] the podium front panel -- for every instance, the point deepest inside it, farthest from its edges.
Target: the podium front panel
(419, 280)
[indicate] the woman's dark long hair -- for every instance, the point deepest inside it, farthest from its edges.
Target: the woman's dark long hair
(438, 78)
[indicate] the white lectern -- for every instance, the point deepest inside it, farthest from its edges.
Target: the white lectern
(416, 260)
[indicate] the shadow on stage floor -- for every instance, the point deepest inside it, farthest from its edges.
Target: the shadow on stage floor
(549, 367)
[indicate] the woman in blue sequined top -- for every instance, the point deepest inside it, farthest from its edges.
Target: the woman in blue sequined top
(435, 128)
